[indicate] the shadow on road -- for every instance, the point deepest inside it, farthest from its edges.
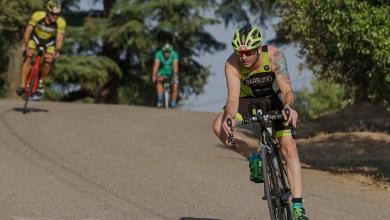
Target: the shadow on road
(192, 218)
(30, 110)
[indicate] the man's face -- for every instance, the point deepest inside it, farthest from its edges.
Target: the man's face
(247, 57)
(167, 53)
(53, 16)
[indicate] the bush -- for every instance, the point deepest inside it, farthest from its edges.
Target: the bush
(324, 98)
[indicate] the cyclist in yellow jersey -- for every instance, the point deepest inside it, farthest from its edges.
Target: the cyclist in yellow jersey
(45, 28)
(257, 74)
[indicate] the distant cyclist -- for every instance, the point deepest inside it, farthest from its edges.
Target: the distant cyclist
(255, 74)
(45, 28)
(166, 67)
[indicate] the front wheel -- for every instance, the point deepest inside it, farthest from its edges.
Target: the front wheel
(166, 94)
(273, 187)
(29, 92)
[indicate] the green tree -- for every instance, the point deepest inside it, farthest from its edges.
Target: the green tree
(126, 35)
(344, 41)
(324, 98)
(241, 11)
(137, 29)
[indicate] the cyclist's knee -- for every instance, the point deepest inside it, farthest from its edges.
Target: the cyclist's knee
(27, 60)
(49, 58)
(216, 125)
(289, 149)
(174, 87)
(29, 53)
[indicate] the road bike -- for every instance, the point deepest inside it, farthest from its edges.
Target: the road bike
(31, 87)
(276, 188)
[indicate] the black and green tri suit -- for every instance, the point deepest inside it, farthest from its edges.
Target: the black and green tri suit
(259, 89)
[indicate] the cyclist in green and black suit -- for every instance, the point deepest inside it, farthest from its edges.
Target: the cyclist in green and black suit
(257, 73)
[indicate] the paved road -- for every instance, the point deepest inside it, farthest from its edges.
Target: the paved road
(77, 161)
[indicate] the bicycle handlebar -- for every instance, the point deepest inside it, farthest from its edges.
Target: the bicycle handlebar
(260, 118)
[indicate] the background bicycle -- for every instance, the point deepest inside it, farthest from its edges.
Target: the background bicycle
(31, 90)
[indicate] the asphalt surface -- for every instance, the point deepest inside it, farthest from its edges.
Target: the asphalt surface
(85, 161)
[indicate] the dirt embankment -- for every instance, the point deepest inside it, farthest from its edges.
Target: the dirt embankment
(354, 141)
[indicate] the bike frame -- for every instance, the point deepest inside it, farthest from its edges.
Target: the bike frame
(31, 86)
(276, 189)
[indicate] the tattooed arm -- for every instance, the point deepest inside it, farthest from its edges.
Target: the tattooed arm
(279, 67)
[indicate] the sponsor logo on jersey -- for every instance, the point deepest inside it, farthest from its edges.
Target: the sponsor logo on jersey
(46, 28)
(259, 80)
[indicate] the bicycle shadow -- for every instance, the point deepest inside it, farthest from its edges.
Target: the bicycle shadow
(192, 218)
(29, 110)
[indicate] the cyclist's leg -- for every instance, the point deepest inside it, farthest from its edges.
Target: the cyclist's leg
(174, 91)
(245, 143)
(289, 150)
(246, 146)
(294, 174)
(26, 67)
(160, 90)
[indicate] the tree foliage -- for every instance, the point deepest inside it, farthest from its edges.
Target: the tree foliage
(345, 41)
(242, 11)
(135, 31)
(324, 98)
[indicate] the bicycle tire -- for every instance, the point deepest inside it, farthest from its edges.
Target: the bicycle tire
(269, 183)
(285, 190)
(272, 187)
(30, 91)
(166, 94)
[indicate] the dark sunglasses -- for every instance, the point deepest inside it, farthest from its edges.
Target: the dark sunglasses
(54, 14)
(247, 53)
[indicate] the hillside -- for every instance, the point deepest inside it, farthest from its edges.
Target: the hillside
(355, 140)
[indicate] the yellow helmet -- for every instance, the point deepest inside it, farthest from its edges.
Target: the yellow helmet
(247, 38)
(53, 6)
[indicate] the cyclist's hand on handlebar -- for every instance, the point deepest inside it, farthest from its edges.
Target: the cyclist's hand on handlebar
(228, 125)
(290, 115)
